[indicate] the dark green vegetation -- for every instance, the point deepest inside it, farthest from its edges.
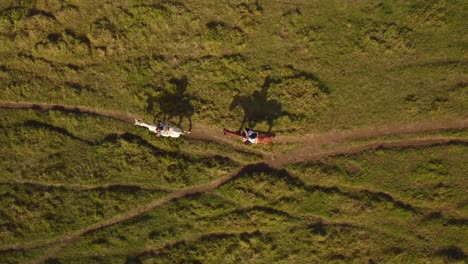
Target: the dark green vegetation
(392, 206)
(290, 66)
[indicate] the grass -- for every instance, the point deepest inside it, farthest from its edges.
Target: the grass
(49, 154)
(292, 67)
(20, 256)
(34, 213)
(257, 216)
(333, 64)
(441, 134)
(428, 177)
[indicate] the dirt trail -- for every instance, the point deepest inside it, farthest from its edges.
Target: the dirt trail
(310, 152)
(199, 133)
(63, 241)
(377, 131)
(214, 134)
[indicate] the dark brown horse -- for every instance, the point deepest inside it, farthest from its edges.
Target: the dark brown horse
(263, 137)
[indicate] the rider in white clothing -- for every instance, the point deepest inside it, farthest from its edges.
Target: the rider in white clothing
(161, 129)
(249, 136)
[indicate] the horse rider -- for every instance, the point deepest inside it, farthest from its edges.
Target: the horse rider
(162, 129)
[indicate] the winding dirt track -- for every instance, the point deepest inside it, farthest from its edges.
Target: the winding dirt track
(379, 131)
(201, 133)
(214, 135)
(302, 155)
(61, 242)
(310, 152)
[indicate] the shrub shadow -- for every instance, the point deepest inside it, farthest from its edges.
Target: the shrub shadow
(452, 253)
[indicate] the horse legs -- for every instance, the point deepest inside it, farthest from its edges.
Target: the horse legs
(190, 123)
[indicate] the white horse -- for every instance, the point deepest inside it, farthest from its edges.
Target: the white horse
(162, 129)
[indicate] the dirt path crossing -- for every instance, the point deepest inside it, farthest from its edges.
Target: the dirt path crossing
(310, 152)
(60, 242)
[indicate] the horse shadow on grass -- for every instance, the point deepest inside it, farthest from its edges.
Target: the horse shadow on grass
(257, 107)
(174, 104)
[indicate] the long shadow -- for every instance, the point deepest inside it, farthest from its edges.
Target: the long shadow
(132, 138)
(282, 174)
(31, 11)
(149, 254)
(257, 107)
(247, 210)
(56, 129)
(122, 188)
(173, 104)
(452, 253)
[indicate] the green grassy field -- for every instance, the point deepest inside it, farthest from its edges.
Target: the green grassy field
(324, 64)
(293, 67)
(316, 212)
